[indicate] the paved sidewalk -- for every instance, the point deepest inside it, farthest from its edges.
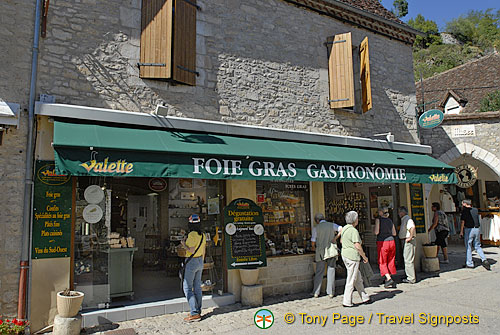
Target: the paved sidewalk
(239, 319)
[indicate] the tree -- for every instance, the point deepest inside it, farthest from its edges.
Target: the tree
(479, 28)
(428, 27)
(400, 8)
(491, 102)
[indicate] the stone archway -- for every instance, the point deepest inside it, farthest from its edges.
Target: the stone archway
(476, 152)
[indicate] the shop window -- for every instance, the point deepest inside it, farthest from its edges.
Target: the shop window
(493, 193)
(344, 69)
(168, 40)
(287, 221)
(128, 232)
(338, 202)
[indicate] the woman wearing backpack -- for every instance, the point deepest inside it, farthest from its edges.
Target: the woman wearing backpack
(440, 223)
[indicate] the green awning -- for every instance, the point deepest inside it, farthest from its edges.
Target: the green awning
(97, 150)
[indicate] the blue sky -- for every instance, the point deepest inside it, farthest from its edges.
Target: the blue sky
(442, 11)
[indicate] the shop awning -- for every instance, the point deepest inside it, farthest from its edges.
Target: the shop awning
(98, 150)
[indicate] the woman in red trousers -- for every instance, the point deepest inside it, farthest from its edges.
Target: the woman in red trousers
(386, 246)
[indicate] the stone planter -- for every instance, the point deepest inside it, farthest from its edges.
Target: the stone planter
(69, 305)
(249, 276)
(430, 251)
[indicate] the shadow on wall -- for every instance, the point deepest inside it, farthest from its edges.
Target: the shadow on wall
(277, 79)
(438, 139)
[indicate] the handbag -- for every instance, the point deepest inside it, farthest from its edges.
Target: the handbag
(182, 270)
(332, 251)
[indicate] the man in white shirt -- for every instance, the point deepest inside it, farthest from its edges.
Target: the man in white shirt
(407, 235)
(323, 239)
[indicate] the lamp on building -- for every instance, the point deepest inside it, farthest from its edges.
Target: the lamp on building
(388, 136)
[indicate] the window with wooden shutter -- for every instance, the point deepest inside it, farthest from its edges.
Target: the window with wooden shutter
(366, 90)
(168, 40)
(184, 52)
(341, 76)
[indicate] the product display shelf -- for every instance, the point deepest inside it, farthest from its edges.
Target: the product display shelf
(278, 223)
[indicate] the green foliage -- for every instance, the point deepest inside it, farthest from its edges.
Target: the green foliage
(479, 28)
(441, 57)
(400, 8)
(491, 102)
(428, 27)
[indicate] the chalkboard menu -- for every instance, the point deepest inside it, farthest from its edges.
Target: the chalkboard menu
(417, 207)
(51, 212)
(244, 235)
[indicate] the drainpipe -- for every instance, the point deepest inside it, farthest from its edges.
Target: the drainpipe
(28, 181)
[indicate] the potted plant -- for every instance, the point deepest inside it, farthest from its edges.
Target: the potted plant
(430, 250)
(68, 303)
(14, 326)
(249, 277)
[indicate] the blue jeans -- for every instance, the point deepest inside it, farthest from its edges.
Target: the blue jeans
(192, 284)
(471, 238)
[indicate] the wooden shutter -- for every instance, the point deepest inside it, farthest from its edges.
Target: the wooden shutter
(340, 69)
(156, 39)
(366, 89)
(184, 48)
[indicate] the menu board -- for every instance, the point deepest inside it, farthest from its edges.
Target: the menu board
(244, 235)
(417, 207)
(51, 212)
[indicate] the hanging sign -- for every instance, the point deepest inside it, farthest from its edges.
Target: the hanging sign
(430, 119)
(417, 207)
(466, 175)
(52, 213)
(244, 235)
(157, 184)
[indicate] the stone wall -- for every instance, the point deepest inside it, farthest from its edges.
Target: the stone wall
(441, 140)
(287, 275)
(16, 34)
(261, 62)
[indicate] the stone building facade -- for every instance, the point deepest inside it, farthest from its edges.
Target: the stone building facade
(261, 63)
(16, 36)
(256, 66)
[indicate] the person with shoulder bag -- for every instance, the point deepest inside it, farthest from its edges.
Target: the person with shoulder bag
(324, 243)
(352, 253)
(470, 225)
(386, 246)
(193, 267)
(440, 223)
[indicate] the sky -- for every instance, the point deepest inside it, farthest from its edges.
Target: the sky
(442, 11)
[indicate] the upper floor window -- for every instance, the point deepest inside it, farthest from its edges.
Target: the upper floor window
(343, 68)
(168, 40)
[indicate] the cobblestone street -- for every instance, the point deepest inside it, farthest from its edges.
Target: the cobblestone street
(445, 293)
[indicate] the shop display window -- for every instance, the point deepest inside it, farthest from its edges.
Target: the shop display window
(492, 194)
(339, 202)
(128, 233)
(286, 210)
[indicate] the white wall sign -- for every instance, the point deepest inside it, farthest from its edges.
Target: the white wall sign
(466, 130)
(93, 194)
(92, 213)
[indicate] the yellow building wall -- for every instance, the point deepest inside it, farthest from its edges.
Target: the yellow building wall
(49, 276)
(317, 198)
(238, 189)
(44, 138)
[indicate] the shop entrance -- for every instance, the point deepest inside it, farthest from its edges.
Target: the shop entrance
(365, 199)
(127, 237)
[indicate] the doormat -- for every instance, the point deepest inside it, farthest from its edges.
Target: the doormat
(125, 331)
